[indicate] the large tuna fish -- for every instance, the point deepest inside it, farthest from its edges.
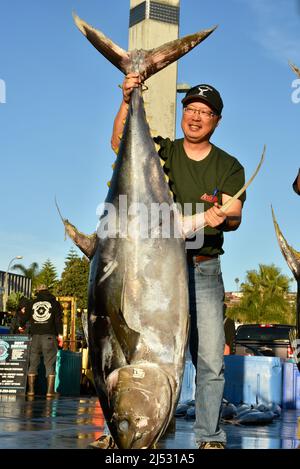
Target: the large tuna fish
(138, 298)
(292, 258)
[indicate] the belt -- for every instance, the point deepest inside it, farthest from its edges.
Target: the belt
(197, 259)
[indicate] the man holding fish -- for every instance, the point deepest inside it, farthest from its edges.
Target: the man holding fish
(200, 172)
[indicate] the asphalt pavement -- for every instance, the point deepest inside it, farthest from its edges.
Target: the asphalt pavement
(74, 422)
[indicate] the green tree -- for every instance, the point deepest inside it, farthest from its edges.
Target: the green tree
(13, 301)
(72, 254)
(264, 297)
(74, 279)
(48, 275)
(30, 272)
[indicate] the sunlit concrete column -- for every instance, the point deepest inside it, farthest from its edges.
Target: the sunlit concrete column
(151, 24)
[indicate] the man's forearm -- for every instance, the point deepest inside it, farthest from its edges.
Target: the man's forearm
(119, 126)
(231, 223)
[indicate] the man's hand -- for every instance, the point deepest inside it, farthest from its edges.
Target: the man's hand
(214, 216)
(60, 341)
(131, 81)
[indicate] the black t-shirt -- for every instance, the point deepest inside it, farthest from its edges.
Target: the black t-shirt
(201, 182)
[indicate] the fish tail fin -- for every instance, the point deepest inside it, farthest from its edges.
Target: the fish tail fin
(146, 63)
(111, 51)
(164, 55)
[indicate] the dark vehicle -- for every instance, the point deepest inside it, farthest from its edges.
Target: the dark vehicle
(271, 340)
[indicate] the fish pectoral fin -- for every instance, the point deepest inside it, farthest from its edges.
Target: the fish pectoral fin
(127, 337)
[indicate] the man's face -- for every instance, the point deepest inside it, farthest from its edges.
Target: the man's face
(198, 126)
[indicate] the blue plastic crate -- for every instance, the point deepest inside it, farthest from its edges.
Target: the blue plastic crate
(291, 386)
(188, 383)
(253, 380)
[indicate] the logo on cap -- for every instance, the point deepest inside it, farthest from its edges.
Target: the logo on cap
(203, 89)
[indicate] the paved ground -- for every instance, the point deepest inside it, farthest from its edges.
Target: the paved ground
(74, 422)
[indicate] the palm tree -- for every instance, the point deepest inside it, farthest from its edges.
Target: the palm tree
(264, 296)
(30, 272)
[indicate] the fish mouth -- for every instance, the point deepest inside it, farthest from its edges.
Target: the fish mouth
(140, 413)
(133, 433)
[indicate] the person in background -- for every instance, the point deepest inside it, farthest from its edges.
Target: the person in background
(45, 316)
(17, 325)
(296, 184)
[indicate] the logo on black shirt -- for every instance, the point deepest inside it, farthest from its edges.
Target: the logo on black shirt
(41, 311)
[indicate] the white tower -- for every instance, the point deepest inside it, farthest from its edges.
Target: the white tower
(151, 24)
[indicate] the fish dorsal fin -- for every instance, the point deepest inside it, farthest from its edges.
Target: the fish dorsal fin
(86, 243)
(295, 69)
(291, 256)
(147, 63)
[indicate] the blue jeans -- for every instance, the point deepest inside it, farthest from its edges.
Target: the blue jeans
(207, 340)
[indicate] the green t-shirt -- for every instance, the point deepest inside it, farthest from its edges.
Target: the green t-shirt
(201, 182)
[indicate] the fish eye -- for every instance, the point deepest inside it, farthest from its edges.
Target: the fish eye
(124, 426)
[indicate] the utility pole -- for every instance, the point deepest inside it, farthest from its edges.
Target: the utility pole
(151, 24)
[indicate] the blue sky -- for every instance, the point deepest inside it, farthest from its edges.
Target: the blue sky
(62, 95)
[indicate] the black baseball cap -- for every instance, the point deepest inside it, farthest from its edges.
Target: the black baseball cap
(205, 93)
